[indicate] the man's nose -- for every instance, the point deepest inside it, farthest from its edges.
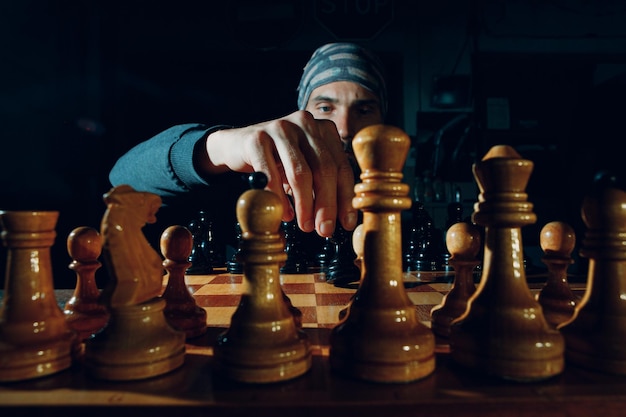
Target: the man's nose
(344, 127)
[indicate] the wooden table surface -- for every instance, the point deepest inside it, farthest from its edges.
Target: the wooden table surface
(197, 389)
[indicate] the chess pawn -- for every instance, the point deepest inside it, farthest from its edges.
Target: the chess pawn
(181, 310)
(557, 240)
(84, 312)
(357, 246)
(233, 265)
(296, 262)
(35, 339)
(342, 270)
(199, 258)
(463, 243)
(503, 332)
(381, 338)
(595, 334)
(263, 343)
(137, 342)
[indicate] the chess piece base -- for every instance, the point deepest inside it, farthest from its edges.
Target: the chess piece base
(36, 360)
(589, 345)
(392, 354)
(193, 322)
(511, 368)
(137, 343)
(275, 362)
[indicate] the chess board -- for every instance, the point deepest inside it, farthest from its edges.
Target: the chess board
(319, 301)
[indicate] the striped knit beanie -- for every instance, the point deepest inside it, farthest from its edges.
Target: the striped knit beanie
(343, 62)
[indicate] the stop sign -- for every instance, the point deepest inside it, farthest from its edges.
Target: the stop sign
(354, 19)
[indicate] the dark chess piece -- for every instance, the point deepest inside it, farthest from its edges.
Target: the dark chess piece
(342, 269)
(233, 265)
(455, 215)
(455, 210)
(326, 254)
(424, 246)
(418, 217)
(296, 262)
(422, 252)
(200, 257)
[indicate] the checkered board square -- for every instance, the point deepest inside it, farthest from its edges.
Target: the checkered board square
(319, 301)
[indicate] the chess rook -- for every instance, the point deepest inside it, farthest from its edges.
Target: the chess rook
(84, 312)
(595, 335)
(503, 331)
(264, 342)
(463, 243)
(557, 240)
(381, 338)
(35, 339)
(181, 310)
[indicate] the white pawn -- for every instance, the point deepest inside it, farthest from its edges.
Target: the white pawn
(264, 342)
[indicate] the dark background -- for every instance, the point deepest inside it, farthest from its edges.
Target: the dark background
(83, 81)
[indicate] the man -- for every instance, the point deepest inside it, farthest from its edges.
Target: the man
(306, 154)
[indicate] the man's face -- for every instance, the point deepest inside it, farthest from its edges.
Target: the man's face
(349, 105)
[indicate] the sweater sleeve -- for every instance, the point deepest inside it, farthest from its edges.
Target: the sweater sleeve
(163, 165)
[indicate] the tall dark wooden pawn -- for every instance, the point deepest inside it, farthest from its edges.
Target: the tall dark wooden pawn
(181, 310)
(83, 311)
(557, 239)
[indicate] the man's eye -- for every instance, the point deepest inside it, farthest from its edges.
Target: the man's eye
(324, 109)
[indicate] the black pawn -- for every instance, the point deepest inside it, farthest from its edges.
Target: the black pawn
(424, 246)
(342, 270)
(200, 257)
(257, 181)
(326, 254)
(233, 265)
(296, 262)
(455, 215)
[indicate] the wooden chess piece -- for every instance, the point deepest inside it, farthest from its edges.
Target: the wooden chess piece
(233, 265)
(263, 343)
(181, 310)
(35, 339)
(503, 332)
(422, 247)
(201, 262)
(463, 242)
(381, 338)
(557, 240)
(296, 262)
(342, 270)
(595, 334)
(357, 246)
(84, 311)
(137, 342)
